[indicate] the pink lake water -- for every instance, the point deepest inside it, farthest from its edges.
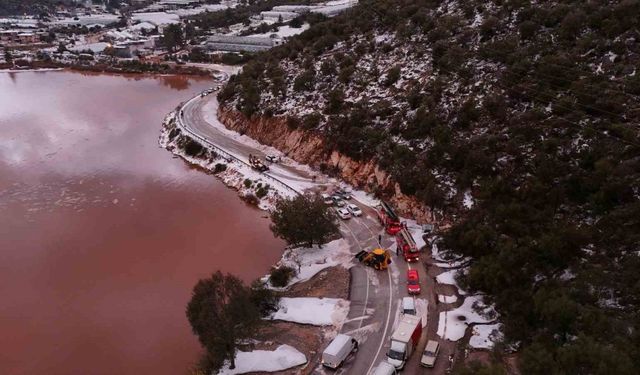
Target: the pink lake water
(102, 233)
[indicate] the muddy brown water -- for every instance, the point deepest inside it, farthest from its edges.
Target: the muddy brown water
(102, 233)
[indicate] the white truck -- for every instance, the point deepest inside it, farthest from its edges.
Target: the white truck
(404, 340)
(338, 350)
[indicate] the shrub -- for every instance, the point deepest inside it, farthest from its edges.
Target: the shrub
(261, 192)
(251, 199)
(304, 81)
(247, 183)
(311, 121)
(488, 27)
(174, 133)
(193, 148)
(528, 29)
(335, 101)
(281, 276)
(219, 168)
(392, 76)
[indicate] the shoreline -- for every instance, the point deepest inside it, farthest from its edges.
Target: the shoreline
(173, 123)
(331, 282)
(189, 70)
(234, 174)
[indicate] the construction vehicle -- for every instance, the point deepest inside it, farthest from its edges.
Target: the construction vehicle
(388, 218)
(378, 258)
(407, 245)
(257, 164)
(404, 340)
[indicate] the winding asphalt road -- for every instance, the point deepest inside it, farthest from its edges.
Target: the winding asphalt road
(375, 295)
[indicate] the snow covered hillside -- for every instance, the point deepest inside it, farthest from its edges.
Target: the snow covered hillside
(518, 121)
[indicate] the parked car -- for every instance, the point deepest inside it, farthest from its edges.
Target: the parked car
(337, 200)
(272, 158)
(345, 196)
(409, 306)
(430, 354)
(343, 213)
(385, 368)
(326, 198)
(413, 282)
(338, 350)
(355, 210)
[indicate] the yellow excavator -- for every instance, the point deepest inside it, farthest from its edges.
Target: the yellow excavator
(378, 258)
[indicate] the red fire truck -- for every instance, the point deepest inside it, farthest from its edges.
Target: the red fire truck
(388, 218)
(407, 245)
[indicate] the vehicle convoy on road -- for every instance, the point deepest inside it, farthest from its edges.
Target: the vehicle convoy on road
(407, 245)
(404, 340)
(430, 354)
(413, 282)
(257, 164)
(388, 218)
(338, 350)
(378, 258)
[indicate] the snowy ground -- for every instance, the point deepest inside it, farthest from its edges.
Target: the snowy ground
(484, 336)
(363, 197)
(309, 261)
(422, 309)
(449, 277)
(284, 31)
(314, 311)
(447, 299)
(284, 357)
(452, 324)
(468, 201)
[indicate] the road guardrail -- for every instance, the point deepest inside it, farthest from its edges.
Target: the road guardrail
(227, 155)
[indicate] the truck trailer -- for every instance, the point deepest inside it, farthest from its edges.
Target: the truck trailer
(404, 340)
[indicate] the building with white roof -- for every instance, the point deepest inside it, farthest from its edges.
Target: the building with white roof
(241, 43)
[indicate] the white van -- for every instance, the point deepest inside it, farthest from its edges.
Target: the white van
(338, 350)
(385, 368)
(409, 306)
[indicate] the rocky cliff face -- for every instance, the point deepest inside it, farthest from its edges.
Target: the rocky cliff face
(308, 147)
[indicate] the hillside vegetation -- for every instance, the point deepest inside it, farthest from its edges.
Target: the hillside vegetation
(20, 7)
(532, 108)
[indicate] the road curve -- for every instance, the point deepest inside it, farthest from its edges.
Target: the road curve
(374, 295)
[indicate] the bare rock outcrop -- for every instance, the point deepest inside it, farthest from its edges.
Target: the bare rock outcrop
(309, 148)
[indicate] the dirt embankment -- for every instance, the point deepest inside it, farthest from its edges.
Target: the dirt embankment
(309, 148)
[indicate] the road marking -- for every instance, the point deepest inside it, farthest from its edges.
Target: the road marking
(386, 326)
(366, 295)
(190, 108)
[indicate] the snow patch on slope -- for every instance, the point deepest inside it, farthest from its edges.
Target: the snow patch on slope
(284, 357)
(314, 311)
(452, 324)
(309, 261)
